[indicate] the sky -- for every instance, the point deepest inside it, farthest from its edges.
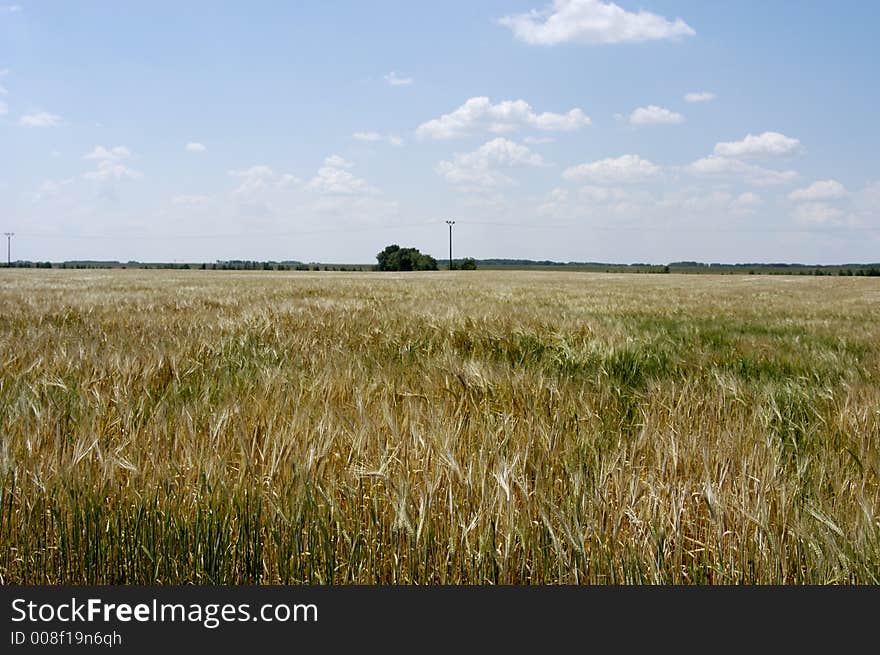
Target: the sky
(571, 130)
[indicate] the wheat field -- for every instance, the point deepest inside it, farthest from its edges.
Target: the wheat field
(168, 427)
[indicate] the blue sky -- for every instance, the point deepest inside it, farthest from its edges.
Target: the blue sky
(568, 130)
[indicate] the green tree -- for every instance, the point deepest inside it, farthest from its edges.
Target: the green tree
(468, 264)
(395, 258)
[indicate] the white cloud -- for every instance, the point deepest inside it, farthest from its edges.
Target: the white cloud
(699, 96)
(817, 214)
(110, 166)
(538, 140)
(287, 181)
(393, 79)
(746, 203)
(195, 146)
(756, 175)
(256, 183)
(479, 168)
(367, 136)
(479, 114)
(574, 119)
(747, 200)
(654, 115)
(596, 193)
(766, 143)
(253, 180)
(713, 165)
(108, 170)
(40, 119)
(373, 137)
(821, 190)
(558, 195)
(592, 21)
(712, 201)
(333, 178)
(336, 161)
(554, 202)
(759, 176)
(626, 169)
(101, 153)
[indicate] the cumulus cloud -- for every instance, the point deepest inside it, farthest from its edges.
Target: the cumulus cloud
(367, 136)
(764, 144)
(626, 169)
(110, 164)
(334, 178)
(108, 170)
(287, 181)
(40, 119)
(101, 153)
(746, 203)
(337, 162)
(592, 21)
(480, 167)
(821, 190)
(817, 214)
(374, 137)
(393, 79)
(699, 96)
(555, 203)
(712, 201)
(479, 114)
(714, 165)
(599, 193)
(253, 180)
(654, 115)
(194, 146)
(747, 200)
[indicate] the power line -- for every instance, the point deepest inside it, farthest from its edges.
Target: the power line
(391, 226)
(229, 235)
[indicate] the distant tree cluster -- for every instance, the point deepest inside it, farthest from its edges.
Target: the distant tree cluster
(466, 264)
(395, 258)
(21, 264)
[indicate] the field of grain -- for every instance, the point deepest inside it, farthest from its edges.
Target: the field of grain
(165, 427)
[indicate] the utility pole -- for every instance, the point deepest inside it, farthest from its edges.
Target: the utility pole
(9, 236)
(450, 224)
